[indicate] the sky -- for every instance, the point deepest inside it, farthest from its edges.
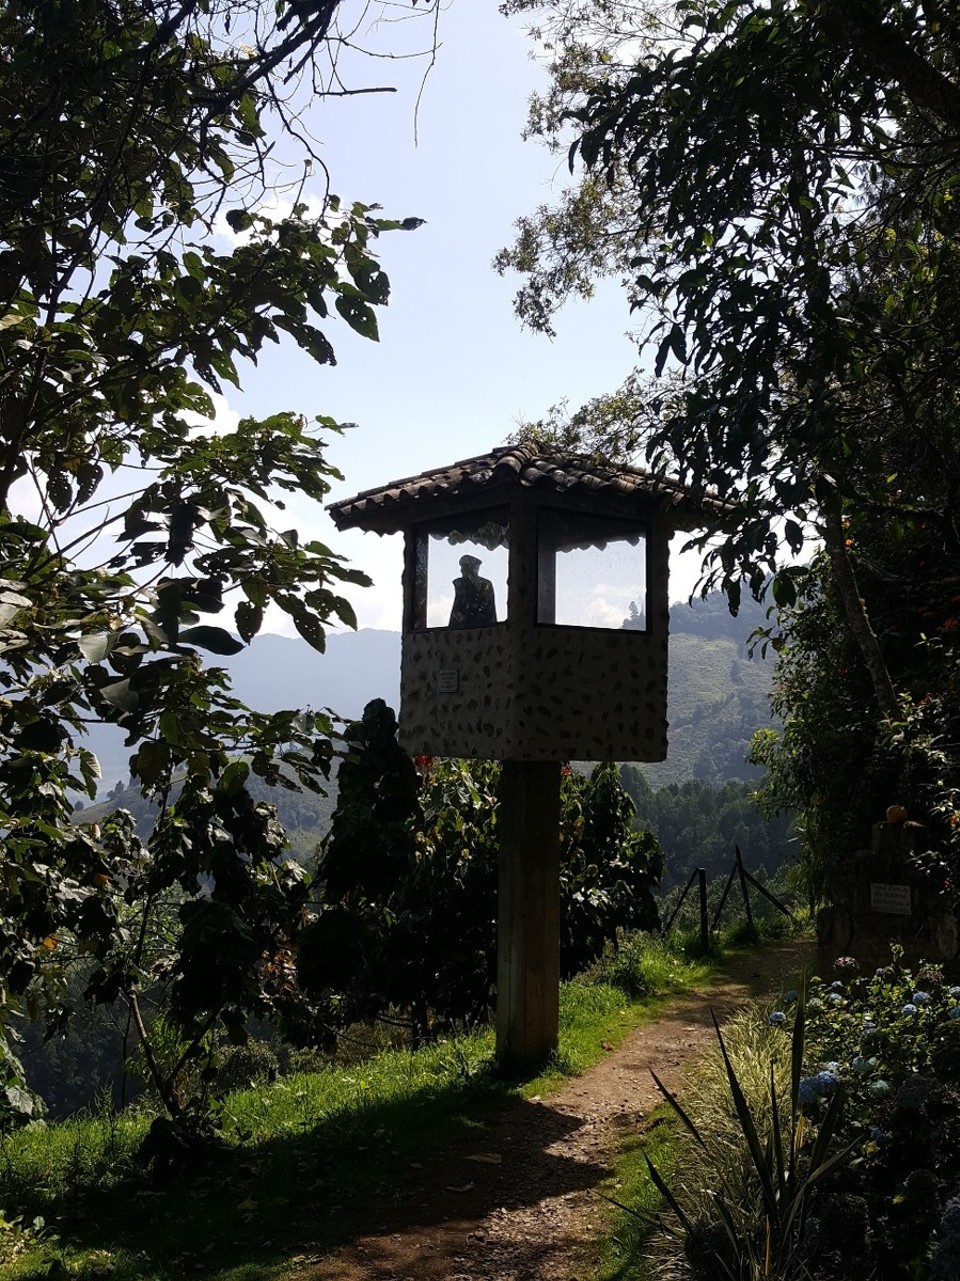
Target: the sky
(453, 374)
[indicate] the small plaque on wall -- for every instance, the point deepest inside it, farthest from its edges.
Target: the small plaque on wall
(448, 682)
(893, 899)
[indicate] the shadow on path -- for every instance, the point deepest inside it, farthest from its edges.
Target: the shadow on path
(516, 1200)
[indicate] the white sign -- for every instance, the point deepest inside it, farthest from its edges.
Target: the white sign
(893, 899)
(448, 682)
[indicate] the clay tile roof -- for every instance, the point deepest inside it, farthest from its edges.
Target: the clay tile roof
(492, 476)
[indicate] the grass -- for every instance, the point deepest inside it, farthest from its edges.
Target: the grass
(634, 1247)
(634, 1201)
(301, 1160)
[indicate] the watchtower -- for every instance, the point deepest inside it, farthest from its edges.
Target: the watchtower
(535, 627)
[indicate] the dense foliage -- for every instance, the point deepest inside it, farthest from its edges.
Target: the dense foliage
(407, 881)
(890, 1041)
(822, 1141)
(774, 185)
(131, 133)
(835, 762)
(698, 826)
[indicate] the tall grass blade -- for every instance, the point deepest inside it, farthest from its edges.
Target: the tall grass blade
(796, 1073)
(780, 1165)
(749, 1129)
(668, 1196)
(828, 1128)
(645, 1216)
(674, 1103)
(820, 1163)
(748, 1265)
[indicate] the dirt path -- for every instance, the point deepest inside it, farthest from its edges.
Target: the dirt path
(520, 1202)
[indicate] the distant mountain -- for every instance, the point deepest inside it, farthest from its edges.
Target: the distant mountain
(717, 694)
(710, 617)
(277, 671)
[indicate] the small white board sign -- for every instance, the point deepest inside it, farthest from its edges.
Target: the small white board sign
(892, 899)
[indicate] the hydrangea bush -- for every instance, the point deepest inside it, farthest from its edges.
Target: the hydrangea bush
(889, 1042)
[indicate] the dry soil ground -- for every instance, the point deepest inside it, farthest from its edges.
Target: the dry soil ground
(521, 1201)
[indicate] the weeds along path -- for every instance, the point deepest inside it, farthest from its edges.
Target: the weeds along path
(520, 1202)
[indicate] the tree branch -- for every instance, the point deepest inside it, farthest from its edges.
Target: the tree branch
(856, 26)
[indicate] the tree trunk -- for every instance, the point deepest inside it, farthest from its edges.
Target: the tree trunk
(856, 611)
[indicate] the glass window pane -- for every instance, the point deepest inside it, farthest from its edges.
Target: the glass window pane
(467, 574)
(592, 572)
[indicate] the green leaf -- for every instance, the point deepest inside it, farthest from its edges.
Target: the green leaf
(359, 316)
(234, 778)
(43, 735)
(95, 646)
(311, 629)
(151, 762)
(120, 695)
(784, 590)
(249, 620)
(239, 220)
(215, 639)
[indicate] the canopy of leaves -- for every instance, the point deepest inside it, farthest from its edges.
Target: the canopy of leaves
(833, 761)
(778, 198)
(132, 542)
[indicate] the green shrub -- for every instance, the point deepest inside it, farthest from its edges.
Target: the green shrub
(892, 1038)
(405, 922)
(753, 1164)
(642, 964)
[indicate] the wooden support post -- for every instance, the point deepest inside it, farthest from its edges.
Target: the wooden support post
(743, 889)
(704, 921)
(528, 925)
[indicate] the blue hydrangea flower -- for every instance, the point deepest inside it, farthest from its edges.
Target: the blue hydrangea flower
(814, 1088)
(809, 1090)
(828, 1079)
(915, 1091)
(909, 1008)
(954, 992)
(862, 1066)
(793, 995)
(834, 999)
(946, 1259)
(836, 985)
(880, 1136)
(777, 1016)
(955, 1012)
(832, 1067)
(921, 998)
(879, 1089)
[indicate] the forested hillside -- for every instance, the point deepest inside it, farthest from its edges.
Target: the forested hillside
(698, 825)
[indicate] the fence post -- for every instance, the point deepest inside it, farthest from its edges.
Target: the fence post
(673, 915)
(723, 897)
(704, 923)
(743, 889)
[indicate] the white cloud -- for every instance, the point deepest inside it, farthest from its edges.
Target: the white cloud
(224, 418)
(276, 209)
